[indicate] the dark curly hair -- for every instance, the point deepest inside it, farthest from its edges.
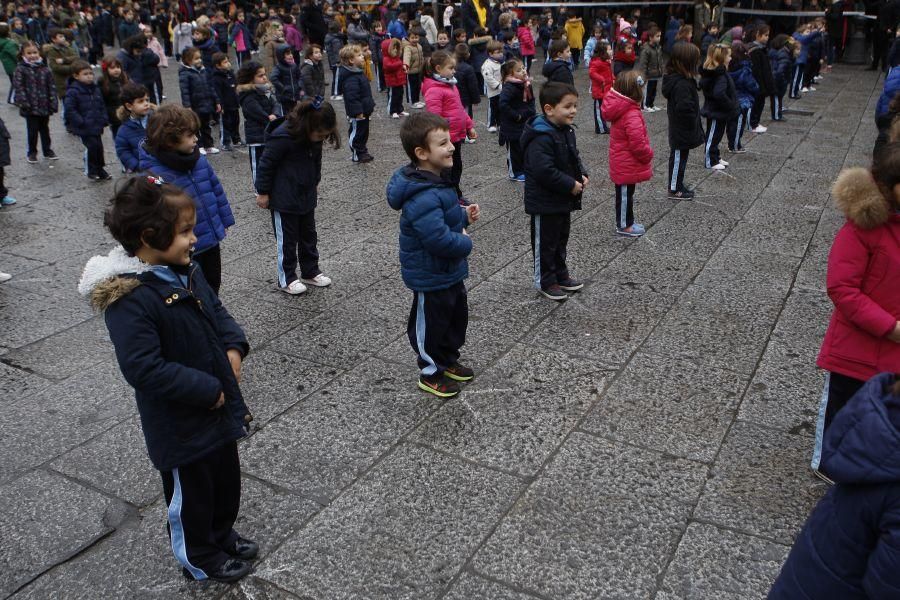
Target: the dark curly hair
(145, 212)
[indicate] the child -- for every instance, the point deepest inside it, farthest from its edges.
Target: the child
(558, 68)
(630, 154)
(516, 107)
(685, 131)
(781, 57)
(205, 43)
(545, 35)
(375, 47)
(224, 86)
(847, 548)
(181, 35)
(804, 36)
(575, 37)
(650, 65)
(467, 82)
(526, 42)
(133, 115)
(289, 173)
(443, 42)
(156, 48)
(240, 37)
(60, 56)
(198, 94)
(863, 337)
(5, 198)
(139, 62)
(591, 46)
(433, 251)
(312, 72)
(443, 98)
(334, 41)
(413, 64)
(746, 88)
(86, 117)
(624, 57)
(710, 37)
(478, 47)
(602, 79)
(183, 358)
(762, 72)
(493, 82)
(9, 56)
(720, 103)
(358, 101)
(287, 79)
(257, 99)
(170, 151)
(394, 76)
(111, 83)
(555, 179)
(36, 98)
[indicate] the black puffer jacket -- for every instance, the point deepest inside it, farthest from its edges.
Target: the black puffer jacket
(762, 68)
(289, 172)
(719, 96)
(257, 104)
(467, 84)
(685, 131)
(552, 166)
(356, 91)
(225, 85)
(558, 70)
(197, 92)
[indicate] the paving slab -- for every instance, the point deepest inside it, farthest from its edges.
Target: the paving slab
(475, 587)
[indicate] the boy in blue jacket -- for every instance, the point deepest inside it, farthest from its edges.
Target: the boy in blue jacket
(133, 114)
(86, 117)
(849, 547)
(555, 179)
(433, 250)
(181, 351)
(358, 101)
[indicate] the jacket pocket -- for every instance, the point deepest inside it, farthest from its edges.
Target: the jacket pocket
(849, 343)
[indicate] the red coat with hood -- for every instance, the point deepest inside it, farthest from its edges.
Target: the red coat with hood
(630, 154)
(394, 75)
(863, 281)
(602, 78)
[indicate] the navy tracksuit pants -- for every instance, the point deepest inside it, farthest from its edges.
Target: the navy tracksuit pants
(358, 133)
(296, 239)
(549, 240)
(437, 327)
(203, 499)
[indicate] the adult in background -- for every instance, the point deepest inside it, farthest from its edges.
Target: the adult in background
(313, 22)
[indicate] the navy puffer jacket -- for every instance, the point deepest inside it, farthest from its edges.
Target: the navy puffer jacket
(719, 96)
(552, 166)
(782, 65)
(257, 103)
(356, 90)
(85, 110)
(128, 143)
(194, 175)
(286, 78)
(197, 92)
(849, 548)
(514, 111)
(433, 249)
(140, 69)
(289, 172)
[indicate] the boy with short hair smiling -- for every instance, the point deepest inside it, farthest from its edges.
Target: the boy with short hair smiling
(555, 179)
(433, 250)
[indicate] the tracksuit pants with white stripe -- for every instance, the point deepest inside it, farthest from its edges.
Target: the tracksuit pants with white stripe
(677, 164)
(715, 129)
(624, 206)
(515, 159)
(395, 100)
(437, 327)
(839, 389)
(296, 237)
(549, 240)
(413, 87)
(797, 80)
(493, 115)
(256, 151)
(600, 126)
(203, 499)
(736, 128)
(358, 134)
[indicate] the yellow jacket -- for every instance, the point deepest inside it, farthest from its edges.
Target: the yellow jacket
(575, 33)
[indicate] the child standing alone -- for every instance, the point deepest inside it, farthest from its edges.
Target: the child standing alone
(600, 71)
(493, 82)
(394, 76)
(746, 88)
(630, 154)
(35, 95)
(685, 132)
(358, 101)
(516, 108)
(287, 182)
(86, 118)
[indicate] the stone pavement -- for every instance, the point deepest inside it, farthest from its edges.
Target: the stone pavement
(649, 438)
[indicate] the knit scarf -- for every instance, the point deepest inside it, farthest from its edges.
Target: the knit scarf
(527, 95)
(177, 161)
(438, 78)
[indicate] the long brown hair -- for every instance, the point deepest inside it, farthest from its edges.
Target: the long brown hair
(627, 84)
(684, 59)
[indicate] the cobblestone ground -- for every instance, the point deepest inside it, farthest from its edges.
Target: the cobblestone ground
(649, 438)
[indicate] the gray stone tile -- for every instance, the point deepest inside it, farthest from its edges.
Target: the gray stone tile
(640, 267)
(68, 352)
(46, 519)
(550, 541)
(716, 563)
(786, 231)
(45, 315)
(762, 481)
(412, 522)
(762, 274)
(325, 442)
(16, 383)
(673, 406)
(689, 229)
(474, 587)
(251, 588)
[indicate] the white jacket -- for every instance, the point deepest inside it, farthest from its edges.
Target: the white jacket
(427, 23)
(490, 70)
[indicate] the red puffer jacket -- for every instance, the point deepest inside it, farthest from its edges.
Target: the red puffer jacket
(602, 78)
(630, 154)
(394, 75)
(863, 276)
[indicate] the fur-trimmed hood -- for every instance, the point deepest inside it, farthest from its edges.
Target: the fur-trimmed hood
(102, 280)
(857, 195)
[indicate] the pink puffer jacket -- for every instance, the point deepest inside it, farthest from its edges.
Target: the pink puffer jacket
(443, 99)
(630, 154)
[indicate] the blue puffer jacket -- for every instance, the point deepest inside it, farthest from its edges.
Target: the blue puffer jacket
(782, 66)
(140, 69)
(849, 547)
(433, 249)
(804, 40)
(196, 177)
(128, 143)
(85, 110)
(891, 87)
(744, 83)
(197, 92)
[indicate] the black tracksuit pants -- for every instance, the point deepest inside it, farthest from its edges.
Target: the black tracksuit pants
(206, 140)
(203, 499)
(715, 130)
(600, 126)
(456, 169)
(210, 261)
(296, 238)
(493, 110)
(230, 128)
(358, 133)
(437, 327)
(395, 100)
(838, 391)
(549, 240)
(36, 125)
(650, 95)
(413, 87)
(759, 103)
(736, 128)
(93, 154)
(624, 206)
(515, 158)
(678, 159)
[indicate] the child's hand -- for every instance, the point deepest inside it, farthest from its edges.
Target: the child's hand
(272, 117)
(262, 200)
(894, 336)
(584, 181)
(577, 188)
(473, 212)
(234, 357)
(360, 116)
(473, 135)
(219, 403)
(218, 108)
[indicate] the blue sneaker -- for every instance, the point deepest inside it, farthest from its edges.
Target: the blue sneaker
(636, 230)
(8, 201)
(520, 178)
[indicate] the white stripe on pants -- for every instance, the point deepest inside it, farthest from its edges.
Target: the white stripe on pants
(352, 135)
(176, 530)
(537, 251)
(676, 163)
(709, 140)
(431, 367)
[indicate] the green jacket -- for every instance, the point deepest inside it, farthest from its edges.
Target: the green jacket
(61, 70)
(9, 51)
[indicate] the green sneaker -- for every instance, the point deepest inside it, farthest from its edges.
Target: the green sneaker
(458, 372)
(439, 386)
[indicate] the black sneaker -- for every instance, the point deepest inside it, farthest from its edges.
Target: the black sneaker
(458, 372)
(51, 155)
(32, 158)
(554, 292)
(684, 194)
(570, 285)
(439, 386)
(365, 158)
(230, 571)
(243, 548)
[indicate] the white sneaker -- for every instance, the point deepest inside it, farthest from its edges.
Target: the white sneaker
(759, 129)
(419, 105)
(5, 277)
(203, 151)
(470, 140)
(812, 89)
(718, 167)
(403, 113)
(724, 162)
(657, 108)
(395, 116)
(294, 288)
(339, 97)
(318, 281)
(212, 150)
(492, 129)
(806, 89)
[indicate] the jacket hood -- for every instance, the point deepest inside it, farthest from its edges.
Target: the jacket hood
(719, 70)
(615, 105)
(106, 279)
(408, 181)
(863, 443)
(858, 197)
(553, 66)
(537, 125)
(280, 51)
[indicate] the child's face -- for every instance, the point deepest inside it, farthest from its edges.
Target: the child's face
(461, 38)
(413, 39)
(497, 54)
(442, 39)
(564, 112)
(438, 154)
(447, 70)
(197, 62)
(378, 27)
(762, 38)
(598, 34)
(565, 55)
(31, 54)
(197, 36)
(655, 39)
(316, 55)
(728, 58)
(225, 65)
(358, 60)
(114, 71)
(260, 78)
(288, 58)
(139, 107)
(714, 31)
(519, 72)
(60, 39)
(186, 143)
(179, 251)
(85, 76)
(320, 135)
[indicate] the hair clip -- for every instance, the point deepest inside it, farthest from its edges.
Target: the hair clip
(155, 180)
(317, 102)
